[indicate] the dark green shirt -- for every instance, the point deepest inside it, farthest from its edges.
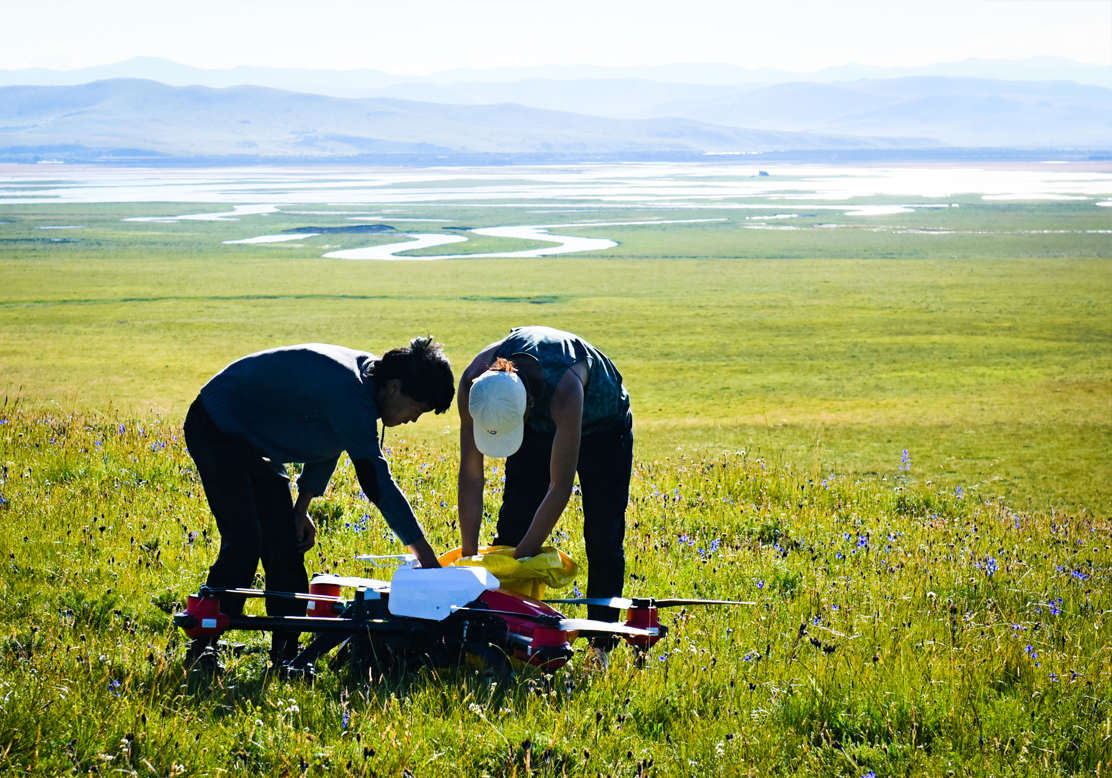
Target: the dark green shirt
(605, 402)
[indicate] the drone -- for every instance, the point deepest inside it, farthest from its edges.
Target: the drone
(439, 617)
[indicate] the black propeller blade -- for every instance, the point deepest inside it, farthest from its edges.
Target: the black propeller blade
(593, 626)
(645, 602)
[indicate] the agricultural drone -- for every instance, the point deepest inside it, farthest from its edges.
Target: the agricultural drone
(440, 617)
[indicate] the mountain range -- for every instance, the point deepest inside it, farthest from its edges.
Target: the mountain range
(606, 115)
(367, 83)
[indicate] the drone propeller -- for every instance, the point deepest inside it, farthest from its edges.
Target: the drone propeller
(596, 627)
(273, 594)
(386, 560)
(592, 626)
(644, 602)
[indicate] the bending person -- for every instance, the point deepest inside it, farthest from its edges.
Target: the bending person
(304, 404)
(554, 406)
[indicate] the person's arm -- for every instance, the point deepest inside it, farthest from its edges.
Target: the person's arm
(380, 488)
(470, 490)
(424, 553)
(315, 476)
(304, 528)
(469, 494)
(567, 413)
(311, 483)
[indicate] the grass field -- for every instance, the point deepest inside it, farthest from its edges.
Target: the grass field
(943, 609)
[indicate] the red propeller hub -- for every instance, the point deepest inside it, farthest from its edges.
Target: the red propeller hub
(643, 617)
(207, 619)
(549, 649)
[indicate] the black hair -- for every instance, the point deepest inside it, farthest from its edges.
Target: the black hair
(424, 372)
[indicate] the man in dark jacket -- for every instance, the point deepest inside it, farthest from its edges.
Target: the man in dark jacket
(306, 404)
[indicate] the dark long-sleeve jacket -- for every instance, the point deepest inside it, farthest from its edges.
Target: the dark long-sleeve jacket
(307, 404)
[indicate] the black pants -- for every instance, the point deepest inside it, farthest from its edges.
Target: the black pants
(604, 468)
(253, 509)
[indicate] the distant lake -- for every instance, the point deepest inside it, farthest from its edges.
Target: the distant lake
(651, 185)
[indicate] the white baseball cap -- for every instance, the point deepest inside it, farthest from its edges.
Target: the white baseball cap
(497, 405)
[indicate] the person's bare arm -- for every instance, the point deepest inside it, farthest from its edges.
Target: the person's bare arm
(567, 413)
(469, 494)
(470, 488)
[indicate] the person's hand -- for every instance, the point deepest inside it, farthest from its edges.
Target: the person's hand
(426, 557)
(305, 531)
(428, 561)
(525, 552)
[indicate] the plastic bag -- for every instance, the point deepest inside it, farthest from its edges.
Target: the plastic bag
(530, 576)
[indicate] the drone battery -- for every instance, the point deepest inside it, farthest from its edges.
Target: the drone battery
(323, 608)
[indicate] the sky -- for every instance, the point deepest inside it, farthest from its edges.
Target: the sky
(417, 37)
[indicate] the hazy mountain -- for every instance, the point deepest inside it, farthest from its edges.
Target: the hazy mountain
(619, 97)
(136, 118)
(345, 83)
(1031, 69)
(955, 112)
(363, 83)
(948, 111)
(145, 119)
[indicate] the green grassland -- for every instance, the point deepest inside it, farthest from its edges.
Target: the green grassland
(947, 613)
(985, 352)
(898, 629)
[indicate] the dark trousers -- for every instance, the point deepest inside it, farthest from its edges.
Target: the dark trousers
(604, 467)
(253, 509)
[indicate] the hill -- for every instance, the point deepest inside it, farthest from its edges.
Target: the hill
(146, 120)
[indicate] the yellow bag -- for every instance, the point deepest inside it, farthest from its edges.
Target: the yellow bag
(551, 567)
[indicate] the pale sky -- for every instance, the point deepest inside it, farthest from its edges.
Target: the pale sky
(416, 37)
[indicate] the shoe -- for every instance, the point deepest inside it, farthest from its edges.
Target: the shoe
(597, 660)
